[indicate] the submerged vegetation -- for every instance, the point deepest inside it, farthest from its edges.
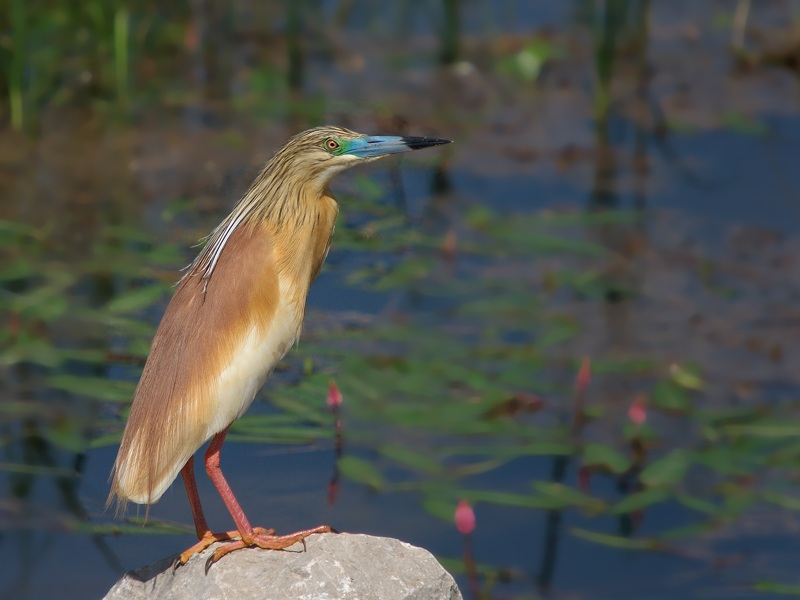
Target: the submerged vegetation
(499, 385)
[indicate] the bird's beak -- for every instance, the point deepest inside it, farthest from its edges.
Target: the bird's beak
(373, 146)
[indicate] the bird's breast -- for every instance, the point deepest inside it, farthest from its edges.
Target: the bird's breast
(275, 319)
(257, 354)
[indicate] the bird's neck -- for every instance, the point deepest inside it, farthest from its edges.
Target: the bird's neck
(300, 242)
(296, 218)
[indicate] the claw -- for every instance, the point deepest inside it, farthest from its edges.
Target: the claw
(211, 538)
(245, 536)
(235, 540)
(265, 539)
(209, 562)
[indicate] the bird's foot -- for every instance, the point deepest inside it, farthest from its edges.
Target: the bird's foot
(210, 538)
(266, 539)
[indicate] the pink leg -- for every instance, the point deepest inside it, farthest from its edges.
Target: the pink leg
(215, 473)
(204, 533)
(248, 536)
(200, 524)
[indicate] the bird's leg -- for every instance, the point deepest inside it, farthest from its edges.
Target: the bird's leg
(204, 534)
(248, 536)
(200, 524)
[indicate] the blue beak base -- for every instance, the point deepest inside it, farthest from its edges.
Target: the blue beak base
(373, 146)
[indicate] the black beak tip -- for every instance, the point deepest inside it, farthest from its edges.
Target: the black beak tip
(415, 143)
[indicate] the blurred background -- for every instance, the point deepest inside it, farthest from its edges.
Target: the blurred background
(578, 322)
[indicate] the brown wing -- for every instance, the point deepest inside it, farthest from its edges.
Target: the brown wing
(200, 332)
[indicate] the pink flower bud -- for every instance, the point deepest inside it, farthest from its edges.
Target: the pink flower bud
(584, 375)
(449, 245)
(584, 477)
(465, 517)
(334, 395)
(637, 411)
(637, 517)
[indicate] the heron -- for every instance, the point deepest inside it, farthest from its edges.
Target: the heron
(235, 313)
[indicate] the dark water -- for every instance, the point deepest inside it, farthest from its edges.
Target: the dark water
(701, 272)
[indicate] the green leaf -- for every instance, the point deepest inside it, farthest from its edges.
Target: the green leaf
(134, 526)
(487, 572)
(528, 62)
(68, 434)
(16, 269)
(550, 220)
(728, 461)
(36, 470)
(558, 330)
(406, 457)
(686, 377)
(439, 507)
(669, 470)
(23, 408)
(405, 274)
(107, 439)
(640, 500)
(18, 229)
(624, 365)
(110, 390)
(691, 531)
(543, 448)
(94, 356)
(480, 216)
(775, 587)
(698, 504)
(138, 298)
(506, 498)
(789, 502)
(599, 455)
(616, 541)
(744, 124)
(34, 351)
(670, 396)
(359, 470)
(766, 428)
(295, 402)
(564, 495)
(737, 500)
(128, 233)
(277, 429)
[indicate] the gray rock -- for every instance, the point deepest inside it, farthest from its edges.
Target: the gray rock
(333, 566)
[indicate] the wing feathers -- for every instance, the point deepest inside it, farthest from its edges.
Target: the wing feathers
(176, 401)
(220, 337)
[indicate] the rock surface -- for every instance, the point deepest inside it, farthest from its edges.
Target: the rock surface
(333, 566)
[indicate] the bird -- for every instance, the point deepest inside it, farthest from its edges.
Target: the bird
(236, 311)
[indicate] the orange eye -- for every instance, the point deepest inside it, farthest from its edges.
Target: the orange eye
(331, 144)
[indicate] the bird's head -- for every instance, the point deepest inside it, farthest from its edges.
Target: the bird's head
(318, 154)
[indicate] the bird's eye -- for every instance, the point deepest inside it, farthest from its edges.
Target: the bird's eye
(331, 144)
